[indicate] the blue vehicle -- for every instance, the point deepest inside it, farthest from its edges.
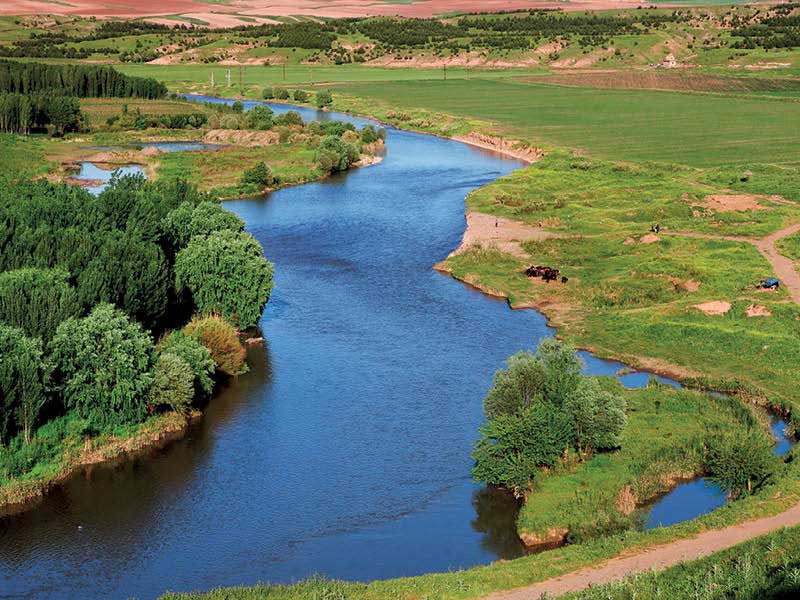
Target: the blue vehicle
(771, 284)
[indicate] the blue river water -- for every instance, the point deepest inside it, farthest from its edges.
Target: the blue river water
(345, 450)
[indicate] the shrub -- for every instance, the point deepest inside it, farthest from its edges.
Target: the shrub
(281, 94)
(741, 463)
(259, 117)
(226, 273)
(260, 176)
(196, 355)
(268, 93)
(300, 95)
(238, 106)
(334, 154)
(102, 366)
(324, 98)
(173, 383)
(291, 117)
(222, 341)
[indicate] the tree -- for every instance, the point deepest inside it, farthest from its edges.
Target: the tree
(334, 154)
(197, 356)
(512, 447)
(102, 367)
(740, 463)
(268, 93)
(22, 383)
(259, 117)
(222, 341)
(130, 273)
(226, 273)
(238, 106)
(598, 417)
(300, 95)
(324, 98)
(260, 175)
(187, 221)
(37, 300)
(173, 383)
(281, 94)
(516, 387)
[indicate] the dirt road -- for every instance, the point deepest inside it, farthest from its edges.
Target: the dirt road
(659, 557)
(784, 268)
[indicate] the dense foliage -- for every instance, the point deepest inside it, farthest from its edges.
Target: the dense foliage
(538, 410)
(37, 112)
(741, 463)
(226, 273)
(86, 283)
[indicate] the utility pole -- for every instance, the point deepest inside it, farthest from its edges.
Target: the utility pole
(284, 71)
(444, 70)
(212, 79)
(228, 77)
(241, 79)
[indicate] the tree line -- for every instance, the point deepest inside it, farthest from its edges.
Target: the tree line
(82, 81)
(31, 113)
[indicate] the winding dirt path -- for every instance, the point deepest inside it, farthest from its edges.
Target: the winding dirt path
(658, 557)
(784, 268)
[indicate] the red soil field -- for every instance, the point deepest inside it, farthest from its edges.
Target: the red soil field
(219, 15)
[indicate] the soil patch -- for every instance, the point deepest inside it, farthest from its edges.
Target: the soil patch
(716, 307)
(504, 234)
(239, 137)
(513, 148)
(733, 202)
(650, 238)
(757, 310)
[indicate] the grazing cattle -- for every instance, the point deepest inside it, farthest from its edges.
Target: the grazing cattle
(564, 279)
(548, 274)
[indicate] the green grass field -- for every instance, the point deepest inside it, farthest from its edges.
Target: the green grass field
(683, 128)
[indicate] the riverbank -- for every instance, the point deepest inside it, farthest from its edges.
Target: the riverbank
(157, 432)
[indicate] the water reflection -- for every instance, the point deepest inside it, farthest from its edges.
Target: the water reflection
(496, 518)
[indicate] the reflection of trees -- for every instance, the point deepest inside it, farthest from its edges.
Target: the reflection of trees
(496, 518)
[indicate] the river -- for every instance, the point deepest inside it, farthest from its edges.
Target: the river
(345, 450)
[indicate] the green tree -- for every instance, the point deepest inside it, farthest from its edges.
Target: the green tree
(598, 417)
(259, 117)
(130, 273)
(299, 95)
(173, 383)
(324, 98)
(740, 463)
(37, 300)
(281, 94)
(226, 273)
(196, 355)
(102, 367)
(237, 106)
(22, 383)
(516, 387)
(512, 447)
(334, 154)
(187, 221)
(260, 175)
(268, 93)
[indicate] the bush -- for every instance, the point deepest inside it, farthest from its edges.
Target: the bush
(197, 356)
(268, 93)
(370, 134)
(741, 463)
(173, 383)
(291, 117)
(324, 98)
(259, 117)
(281, 94)
(300, 96)
(226, 273)
(102, 366)
(222, 341)
(334, 154)
(238, 106)
(260, 176)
